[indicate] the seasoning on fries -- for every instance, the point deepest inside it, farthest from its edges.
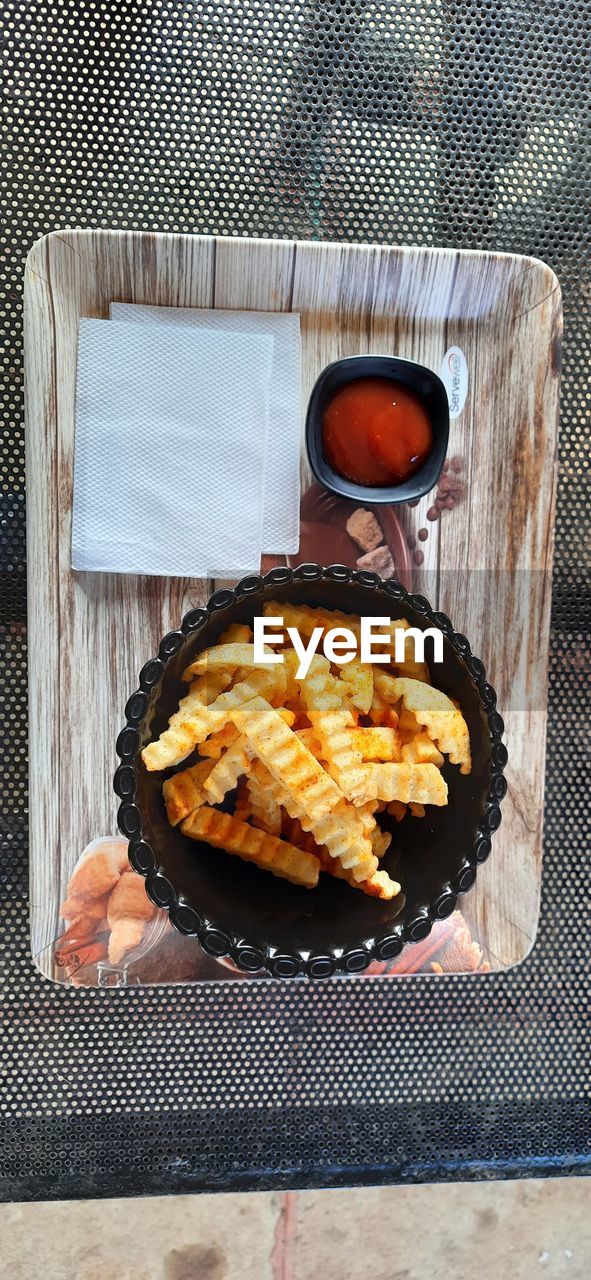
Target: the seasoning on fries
(223, 831)
(314, 761)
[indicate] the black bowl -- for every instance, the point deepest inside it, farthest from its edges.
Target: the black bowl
(427, 386)
(261, 922)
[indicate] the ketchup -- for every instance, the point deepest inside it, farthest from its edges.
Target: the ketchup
(376, 432)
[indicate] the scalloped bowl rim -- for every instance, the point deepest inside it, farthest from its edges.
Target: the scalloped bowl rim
(185, 918)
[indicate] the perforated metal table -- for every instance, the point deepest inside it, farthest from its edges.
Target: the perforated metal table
(446, 123)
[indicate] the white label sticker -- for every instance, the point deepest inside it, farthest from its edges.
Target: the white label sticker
(454, 376)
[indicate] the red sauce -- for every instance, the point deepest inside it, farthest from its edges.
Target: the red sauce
(376, 432)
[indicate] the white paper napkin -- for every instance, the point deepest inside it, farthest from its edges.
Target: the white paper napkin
(170, 445)
(281, 515)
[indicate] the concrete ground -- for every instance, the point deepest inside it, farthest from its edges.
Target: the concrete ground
(479, 1231)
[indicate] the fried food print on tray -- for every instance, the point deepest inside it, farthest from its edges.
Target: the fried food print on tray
(308, 762)
(107, 911)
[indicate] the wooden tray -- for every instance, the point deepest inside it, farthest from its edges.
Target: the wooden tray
(488, 564)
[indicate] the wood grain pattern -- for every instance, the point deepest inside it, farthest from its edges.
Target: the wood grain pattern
(488, 565)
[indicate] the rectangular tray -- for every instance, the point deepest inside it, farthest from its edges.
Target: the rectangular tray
(488, 566)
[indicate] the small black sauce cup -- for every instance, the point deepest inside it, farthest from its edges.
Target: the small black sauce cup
(431, 391)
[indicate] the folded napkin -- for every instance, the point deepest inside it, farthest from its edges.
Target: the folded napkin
(170, 447)
(281, 513)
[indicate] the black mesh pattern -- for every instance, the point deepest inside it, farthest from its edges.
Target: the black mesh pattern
(459, 124)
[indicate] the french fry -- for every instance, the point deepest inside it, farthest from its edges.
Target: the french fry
(302, 766)
(228, 656)
(286, 758)
(342, 831)
(330, 720)
(311, 741)
(421, 783)
(291, 665)
(443, 721)
(408, 726)
(378, 711)
(227, 770)
(379, 743)
(296, 704)
(193, 722)
(379, 885)
(202, 693)
(264, 808)
(207, 688)
(409, 667)
(242, 806)
(305, 619)
(288, 686)
(421, 750)
(229, 767)
(287, 715)
(374, 744)
(184, 791)
(386, 686)
(216, 743)
(344, 838)
(252, 845)
(292, 830)
(357, 676)
(366, 814)
(381, 713)
(236, 633)
(380, 842)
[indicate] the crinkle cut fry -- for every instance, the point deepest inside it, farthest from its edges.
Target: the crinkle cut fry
(225, 656)
(264, 809)
(409, 666)
(331, 720)
(343, 831)
(306, 618)
(210, 779)
(286, 758)
(184, 791)
(223, 831)
(380, 842)
(377, 743)
(202, 693)
(216, 743)
(237, 631)
(242, 809)
(421, 783)
(421, 750)
(207, 688)
(357, 677)
(443, 721)
(379, 885)
(227, 770)
(193, 722)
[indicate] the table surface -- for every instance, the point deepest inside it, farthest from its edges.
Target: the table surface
(449, 125)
